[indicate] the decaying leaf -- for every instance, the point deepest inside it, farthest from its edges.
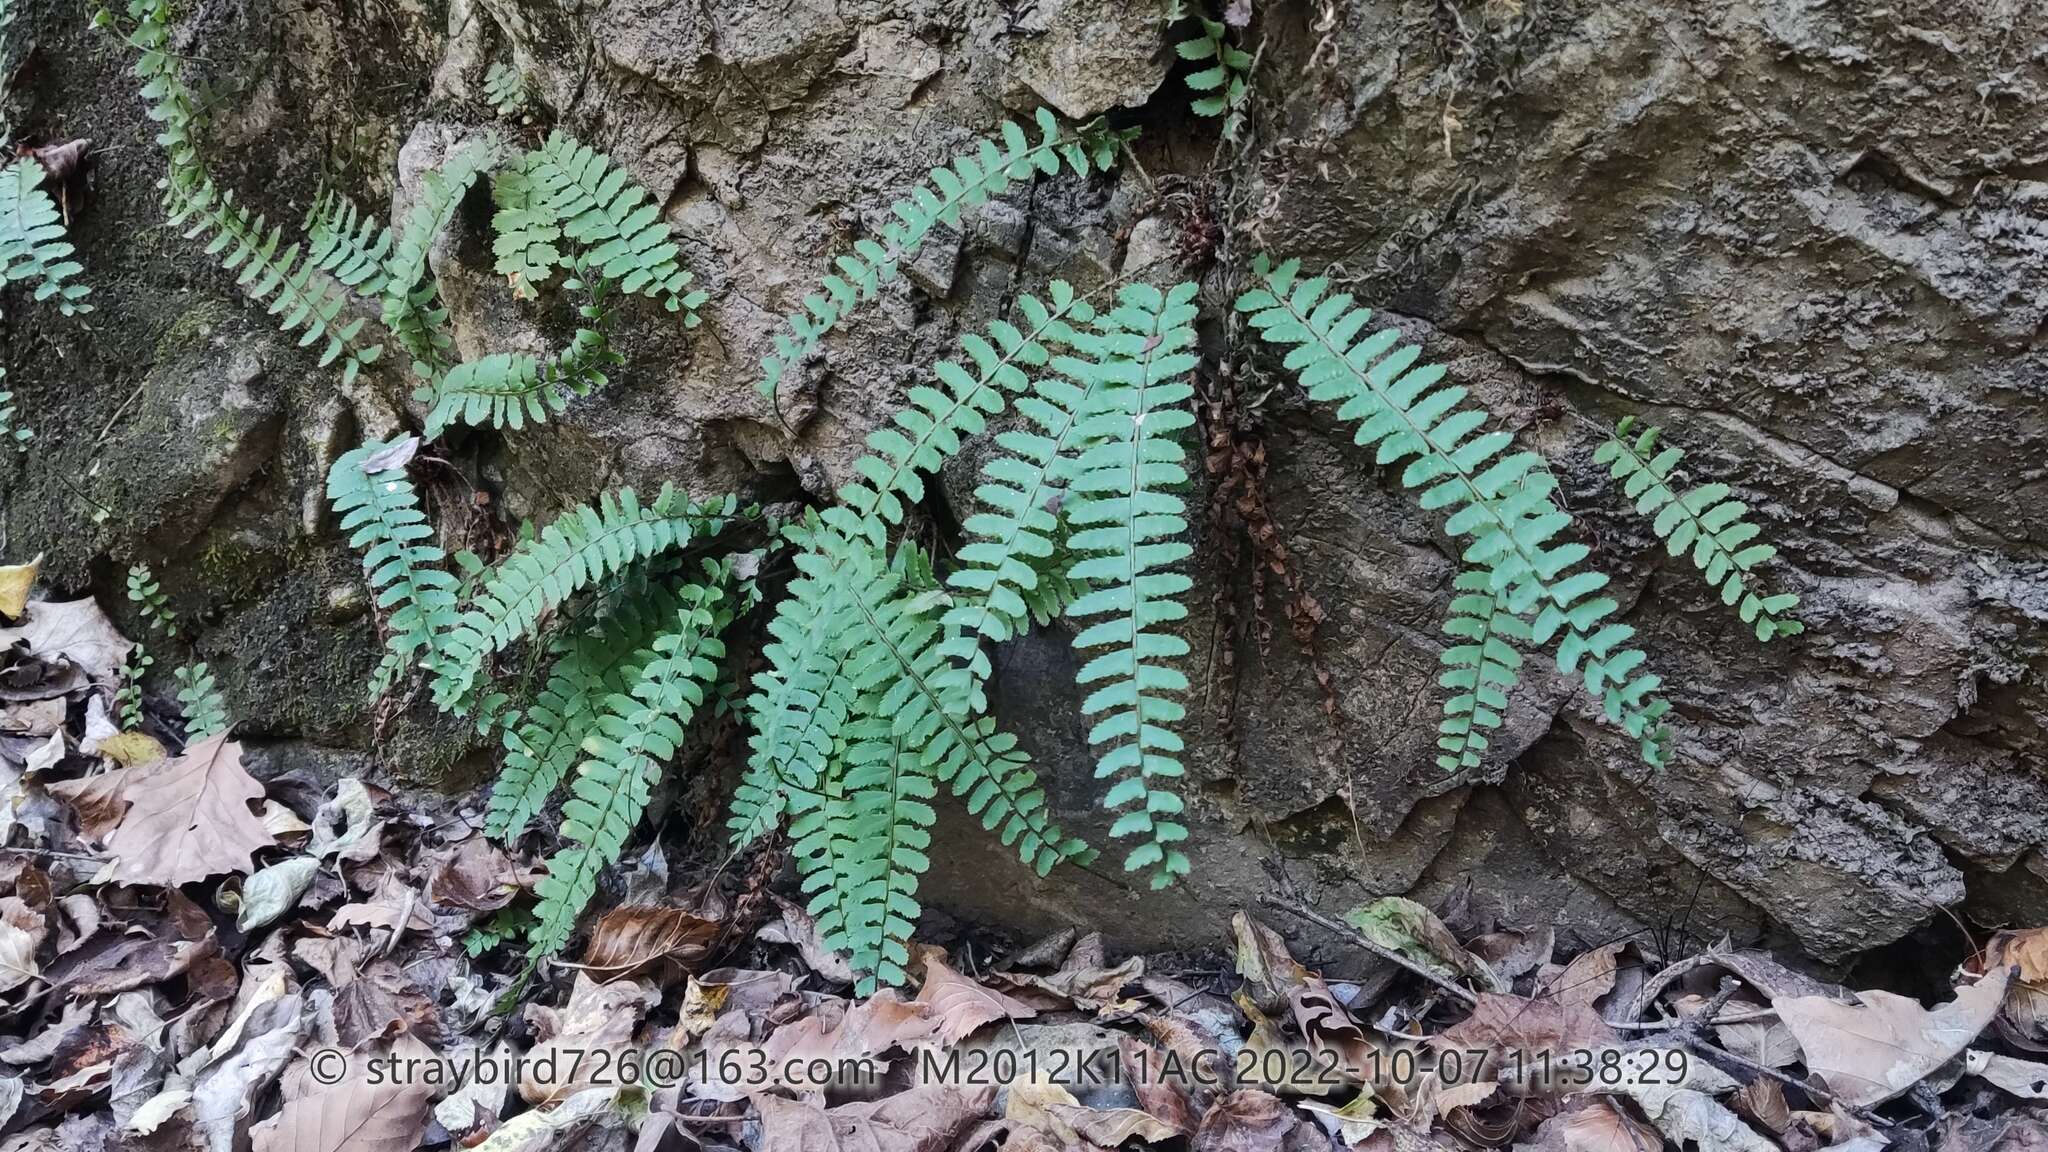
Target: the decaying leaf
(797, 929)
(2026, 1079)
(273, 891)
(354, 1115)
(597, 1016)
(1402, 925)
(15, 581)
(1585, 980)
(75, 630)
(1600, 1126)
(630, 940)
(1501, 1025)
(923, 1119)
(961, 1005)
(543, 1130)
(1271, 973)
(188, 818)
(1246, 1121)
(1870, 1052)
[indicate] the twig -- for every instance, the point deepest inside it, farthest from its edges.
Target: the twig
(1687, 1033)
(1304, 912)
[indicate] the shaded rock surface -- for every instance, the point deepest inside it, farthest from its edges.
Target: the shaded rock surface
(1812, 240)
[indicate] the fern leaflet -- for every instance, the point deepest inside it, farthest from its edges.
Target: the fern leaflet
(381, 511)
(32, 244)
(1502, 502)
(1225, 83)
(206, 711)
(636, 733)
(1480, 671)
(406, 294)
(505, 89)
(8, 429)
(1703, 521)
(150, 601)
(507, 389)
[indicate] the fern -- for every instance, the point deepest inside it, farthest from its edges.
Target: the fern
(1704, 522)
(128, 698)
(566, 193)
(508, 389)
(970, 179)
(32, 245)
(1126, 516)
(288, 282)
(1225, 83)
(636, 733)
(582, 546)
(542, 741)
(1502, 503)
(505, 89)
(150, 601)
(378, 506)
(8, 429)
(206, 711)
(349, 245)
(1480, 671)
(406, 296)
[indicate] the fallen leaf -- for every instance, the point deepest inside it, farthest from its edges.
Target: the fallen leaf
(925, 1118)
(873, 1026)
(1765, 1042)
(1245, 1121)
(630, 940)
(188, 818)
(1512, 954)
(132, 749)
(961, 1005)
(15, 581)
(353, 1115)
(798, 929)
(1470, 1094)
(1159, 1096)
(226, 1089)
(1602, 1127)
(1501, 1025)
(1585, 980)
(1871, 1051)
(476, 876)
(597, 1016)
(347, 826)
(1354, 1123)
(1763, 1100)
(2027, 1079)
(1688, 1116)
(393, 903)
(1401, 925)
(273, 891)
(396, 454)
(17, 957)
(1270, 972)
(77, 631)
(555, 1128)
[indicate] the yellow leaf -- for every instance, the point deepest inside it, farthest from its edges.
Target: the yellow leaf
(130, 749)
(15, 581)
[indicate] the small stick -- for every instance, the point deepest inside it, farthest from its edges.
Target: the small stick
(1304, 912)
(1687, 1032)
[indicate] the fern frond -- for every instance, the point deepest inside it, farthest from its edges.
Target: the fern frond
(505, 88)
(1501, 502)
(407, 296)
(581, 547)
(8, 429)
(1126, 519)
(567, 194)
(128, 698)
(1223, 86)
(206, 710)
(880, 841)
(1479, 671)
(1703, 522)
(348, 245)
(151, 603)
(970, 179)
(635, 735)
(541, 742)
(798, 707)
(381, 512)
(32, 245)
(508, 389)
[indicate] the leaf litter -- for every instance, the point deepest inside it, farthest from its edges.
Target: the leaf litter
(195, 958)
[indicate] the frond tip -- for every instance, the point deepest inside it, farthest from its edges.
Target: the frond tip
(1702, 522)
(32, 245)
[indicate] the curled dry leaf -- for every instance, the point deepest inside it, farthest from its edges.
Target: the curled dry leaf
(597, 1016)
(273, 891)
(797, 929)
(960, 1005)
(1869, 1052)
(1246, 1121)
(1401, 925)
(1271, 973)
(15, 581)
(1600, 1126)
(2026, 1079)
(631, 940)
(75, 630)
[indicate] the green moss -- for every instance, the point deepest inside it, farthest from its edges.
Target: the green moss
(192, 329)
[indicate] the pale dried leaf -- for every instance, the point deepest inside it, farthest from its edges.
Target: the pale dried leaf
(923, 1119)
(1686, 1115)
(540, 1130)
(396, 454)
(1872, 1051)
(351, 1116)
(1602, 1127)
(1271, 973)
(597, 1016)
(797, 929)
(77, 631)
(2027, 1079)
(1586, 979)
(1246, 1121)
(188, 818)
(273, 891)
(17, 957)
(15, 581)
(1401, 925)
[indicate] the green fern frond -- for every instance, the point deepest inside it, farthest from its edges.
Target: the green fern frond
(1703, 522)
(206, 710)
(1479, 672)
(380, 510)
(9, 431)
(880, 844)
(1223, 86)
(1501, 502)
(581, 547)
(635, 735)
(541, 742)
(1127, 519)
(505, 88)
(565, 206)
(349, 245)
(128, 698)
(971, 179)
(151, 603)
(32, 245)
(508, 389)
(799, 704)
(407, 296)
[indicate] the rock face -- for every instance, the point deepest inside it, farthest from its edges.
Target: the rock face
(1809, 239)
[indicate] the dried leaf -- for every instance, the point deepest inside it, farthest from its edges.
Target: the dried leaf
(396, 454)
(1502, 1024)
(17, 957)
(1686, 1115)
(1763, 1100)
(77, 631)
(873, 1026)
(188, 818)
(132, 749)
(597, 1016)
(1585, 980)
(15, 581)
(2027, 1079)
(961, 1005)
(542, 1131)
(273, 891)
(1872, 1051)
(1271, 973)
(1602, 1127)
(476, 876)
(630, 940)
(923, 1119)
(1402, 925)
(1246, 1121)
(351, 1116)
(798, 929)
